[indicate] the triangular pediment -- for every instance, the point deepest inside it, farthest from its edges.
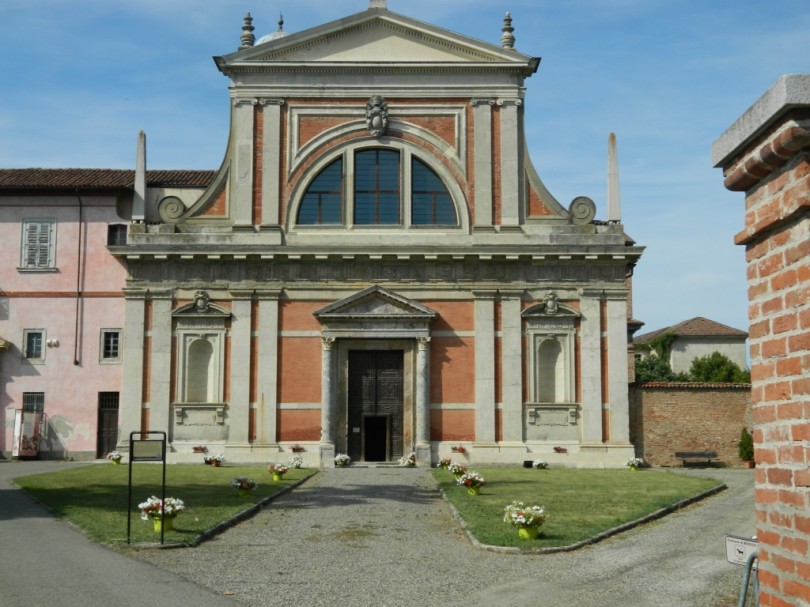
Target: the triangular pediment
(375, 303)
(375, 36)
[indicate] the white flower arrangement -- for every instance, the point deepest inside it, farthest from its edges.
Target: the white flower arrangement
(444, 463)
(635, 463)
(114, 456)
(408, 460)
(244, 483)
(342, 460)
(279, 469)
(153, 507)
(471, 480)
(296, 461)
(457, 469)
(520, 515)
(539, 464)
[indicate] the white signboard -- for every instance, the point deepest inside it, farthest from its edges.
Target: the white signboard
(738, 549)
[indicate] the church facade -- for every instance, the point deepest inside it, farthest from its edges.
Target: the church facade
(377, 268)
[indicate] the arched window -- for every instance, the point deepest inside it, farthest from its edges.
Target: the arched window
(323, 201)
(430, 200)
(377, 187)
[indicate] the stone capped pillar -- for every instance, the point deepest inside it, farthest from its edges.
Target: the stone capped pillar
(766, 155)
(240, 365)
(160, 362)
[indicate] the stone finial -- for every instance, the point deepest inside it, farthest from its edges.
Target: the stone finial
(378, 4)
(508, 38)
(247, 32)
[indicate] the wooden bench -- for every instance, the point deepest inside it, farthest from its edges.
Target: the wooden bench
(685, 456)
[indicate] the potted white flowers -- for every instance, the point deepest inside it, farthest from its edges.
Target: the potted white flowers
(635, 463)
(342, 460)
(527, 519)
(277, 470)
(243, 485)
(296, 461)
(114, 457)
(159, 511)
(214, 460)
(408, 460)
(473, 481)
(539, 464)
(456, 469)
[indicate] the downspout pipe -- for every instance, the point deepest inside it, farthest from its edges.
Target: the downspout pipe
(79, 262)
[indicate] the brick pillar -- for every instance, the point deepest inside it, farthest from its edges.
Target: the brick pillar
(766, 154)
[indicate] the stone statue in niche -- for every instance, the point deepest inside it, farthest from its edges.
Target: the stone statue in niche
(201, 302)
(551, 300)
(377, 115)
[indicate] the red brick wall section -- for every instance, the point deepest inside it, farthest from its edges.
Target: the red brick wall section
(666, 417)
(774, 172)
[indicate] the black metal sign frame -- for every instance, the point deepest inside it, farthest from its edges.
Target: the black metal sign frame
(147, 450)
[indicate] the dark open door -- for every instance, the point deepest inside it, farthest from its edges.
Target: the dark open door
(107, 423)
(375, 405)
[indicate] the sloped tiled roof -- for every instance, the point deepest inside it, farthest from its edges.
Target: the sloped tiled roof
(694, 327)
(98, 179)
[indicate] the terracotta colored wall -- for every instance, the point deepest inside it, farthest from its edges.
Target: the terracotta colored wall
(299, 425)
(668, 417)
(299, 370)
(452, 372)
(452, 425)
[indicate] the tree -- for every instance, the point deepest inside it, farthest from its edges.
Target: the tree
(718, 368)
(653, 368)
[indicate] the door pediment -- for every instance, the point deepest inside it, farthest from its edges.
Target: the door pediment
(376, 313)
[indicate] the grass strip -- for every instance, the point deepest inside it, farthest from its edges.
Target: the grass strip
(94, 497)
(579, 504)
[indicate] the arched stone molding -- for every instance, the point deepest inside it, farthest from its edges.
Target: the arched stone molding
(407, 150)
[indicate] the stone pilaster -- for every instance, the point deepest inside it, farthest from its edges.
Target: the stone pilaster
(482, 143)
(617, 368)
(267, 380)
(512, 370)
(271, 159)
(160, 362)
(240, 363)
(591, 368)
(242, 159)
(512, 177)
(485, 368)
(131, 410)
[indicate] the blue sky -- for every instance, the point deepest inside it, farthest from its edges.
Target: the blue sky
(80, 78)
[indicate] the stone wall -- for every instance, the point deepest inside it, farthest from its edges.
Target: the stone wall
(766, 154)
(666, 417)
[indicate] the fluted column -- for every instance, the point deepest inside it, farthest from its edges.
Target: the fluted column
(423, 392)
(327, 393)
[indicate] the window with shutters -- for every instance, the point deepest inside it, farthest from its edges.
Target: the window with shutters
(38, 240)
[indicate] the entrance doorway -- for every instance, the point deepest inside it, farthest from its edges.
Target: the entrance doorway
(375, 412)
(107, 433)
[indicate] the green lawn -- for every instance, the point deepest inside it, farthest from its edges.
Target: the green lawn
(94, 497)
(579, 504)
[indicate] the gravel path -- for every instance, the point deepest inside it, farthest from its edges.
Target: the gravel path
(383, 537)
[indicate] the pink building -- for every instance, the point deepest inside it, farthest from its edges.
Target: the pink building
(62, 307)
